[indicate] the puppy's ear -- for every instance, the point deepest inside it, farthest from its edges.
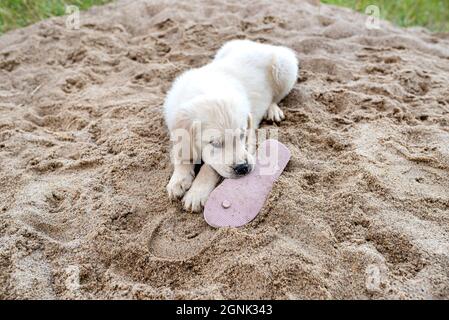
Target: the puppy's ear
(249, 122)
(251, 135)
(195, 142)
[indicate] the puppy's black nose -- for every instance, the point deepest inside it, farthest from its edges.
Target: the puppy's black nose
(242, 169)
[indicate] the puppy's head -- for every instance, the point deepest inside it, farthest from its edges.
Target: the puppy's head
(220, 135)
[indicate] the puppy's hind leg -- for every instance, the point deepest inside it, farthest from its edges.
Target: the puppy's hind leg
(284, 72)
(274, 113)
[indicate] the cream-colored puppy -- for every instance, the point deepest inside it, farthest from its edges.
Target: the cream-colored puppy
(209, 110)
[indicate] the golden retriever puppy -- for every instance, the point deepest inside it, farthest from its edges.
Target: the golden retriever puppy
(210, 112)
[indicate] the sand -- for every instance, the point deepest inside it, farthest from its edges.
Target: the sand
(362, 210)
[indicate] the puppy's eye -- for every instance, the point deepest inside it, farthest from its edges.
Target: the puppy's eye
(216, 144)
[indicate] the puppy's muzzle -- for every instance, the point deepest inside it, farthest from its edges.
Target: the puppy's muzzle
(242, 169)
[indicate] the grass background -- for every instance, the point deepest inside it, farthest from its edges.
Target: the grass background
(20, 13)
(433, 14)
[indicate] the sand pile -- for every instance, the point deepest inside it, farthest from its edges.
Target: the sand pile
(362, 210)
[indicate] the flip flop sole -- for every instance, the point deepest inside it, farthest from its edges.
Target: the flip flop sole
(235, 202)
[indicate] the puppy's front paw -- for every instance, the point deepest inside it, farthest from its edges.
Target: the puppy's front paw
(195, 199)
(274, 113)
(178, 185)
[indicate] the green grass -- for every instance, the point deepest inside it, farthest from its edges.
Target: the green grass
(20, 13)
(432, 14)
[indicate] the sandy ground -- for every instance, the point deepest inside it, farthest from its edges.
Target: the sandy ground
(362, 210)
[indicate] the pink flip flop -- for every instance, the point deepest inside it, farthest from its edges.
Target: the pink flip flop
(235, 202)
